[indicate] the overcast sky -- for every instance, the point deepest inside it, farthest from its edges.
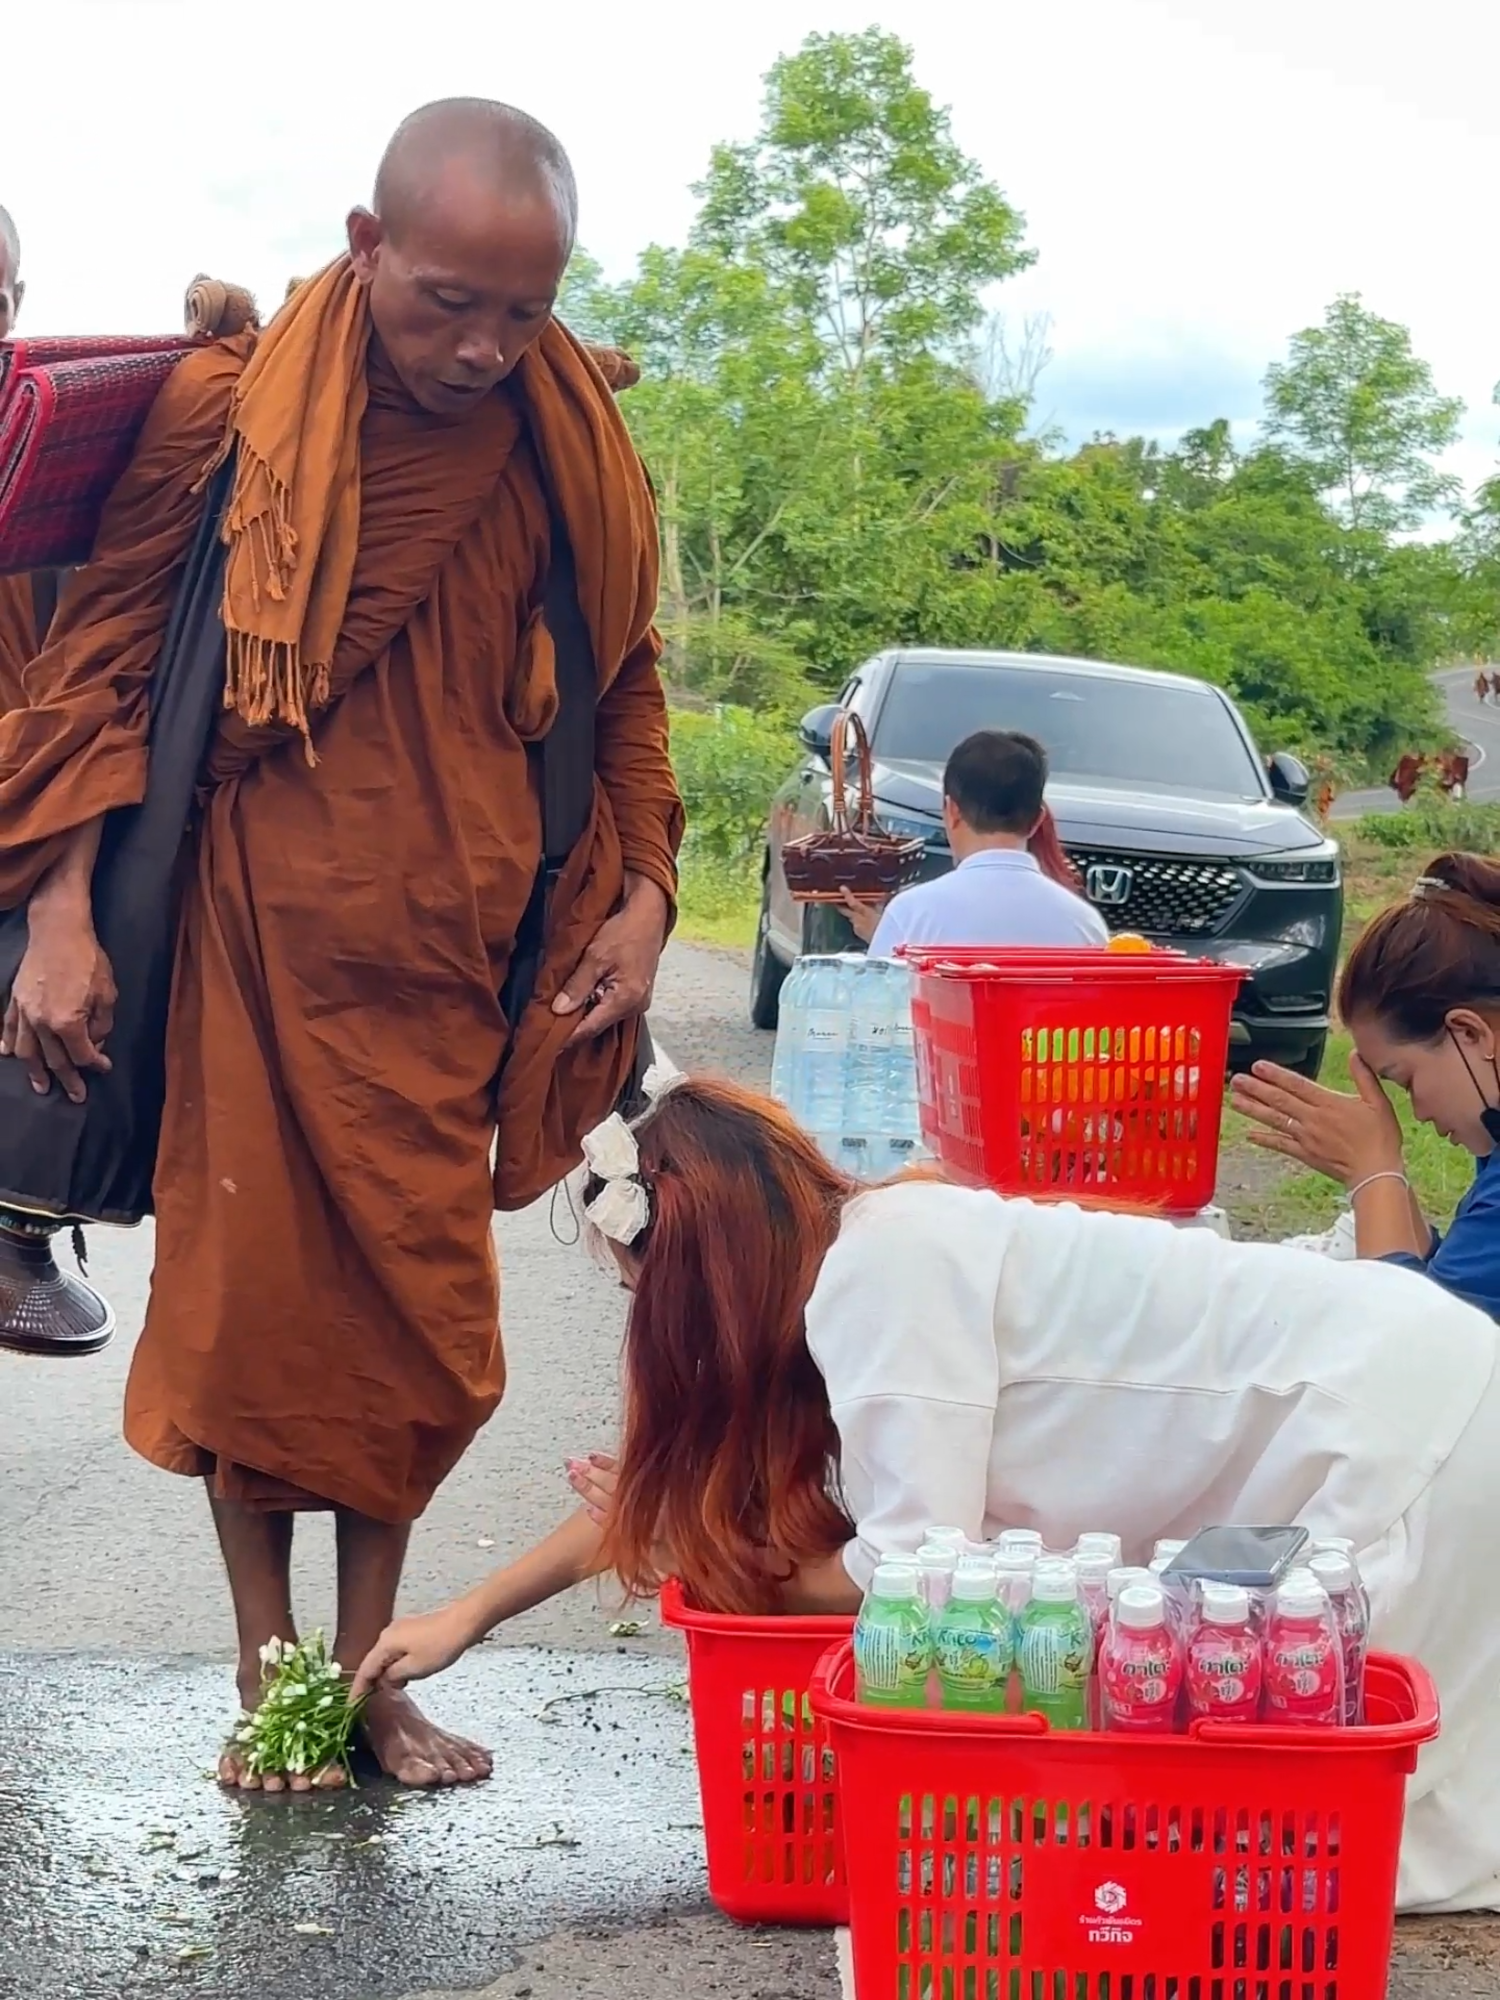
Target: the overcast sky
(1200, 177)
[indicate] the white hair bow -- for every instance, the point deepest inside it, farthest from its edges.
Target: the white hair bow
(622, 1208)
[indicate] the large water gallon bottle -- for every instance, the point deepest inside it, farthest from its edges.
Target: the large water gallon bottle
(866, 1063)
(903, 1122)
(825, 1039)
(791, 1031)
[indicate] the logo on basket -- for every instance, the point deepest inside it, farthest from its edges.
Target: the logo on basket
(1107, 1922)
(1108, 884)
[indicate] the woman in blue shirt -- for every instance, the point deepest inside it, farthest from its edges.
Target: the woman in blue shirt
(1420, 994)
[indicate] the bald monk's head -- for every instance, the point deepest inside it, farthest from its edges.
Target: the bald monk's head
(465, 246)
(11, 287)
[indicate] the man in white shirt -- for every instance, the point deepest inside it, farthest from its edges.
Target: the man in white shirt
(996, 893)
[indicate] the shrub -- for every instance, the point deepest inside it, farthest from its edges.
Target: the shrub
(729, 762)
(1436, 826)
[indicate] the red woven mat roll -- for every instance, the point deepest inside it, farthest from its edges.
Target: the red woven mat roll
(46, 349)
(68, 424)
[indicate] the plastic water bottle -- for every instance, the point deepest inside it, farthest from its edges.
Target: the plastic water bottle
(791, 1031)
(1140, 1666)
(819, 1107)
(974, 1643)
(863, 1152)
(1304, 1660)
(1351, 1608)
(937, 1561)
(1096, 1544)
(1056, 1649)
(903, 1118)
(1224, 1665)
(893, 1640)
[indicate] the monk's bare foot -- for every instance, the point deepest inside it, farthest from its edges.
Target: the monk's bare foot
(413, 1750)
(234, 1771)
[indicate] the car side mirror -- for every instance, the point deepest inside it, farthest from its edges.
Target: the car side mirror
(815, 730)
(1290, 782)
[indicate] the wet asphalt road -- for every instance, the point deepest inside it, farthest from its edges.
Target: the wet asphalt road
(576, 1874)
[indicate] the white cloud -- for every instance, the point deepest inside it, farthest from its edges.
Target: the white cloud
(1200, 179)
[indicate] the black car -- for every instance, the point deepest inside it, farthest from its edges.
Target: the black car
(1180, 830)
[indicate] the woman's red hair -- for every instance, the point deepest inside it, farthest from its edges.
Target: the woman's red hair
(729, 1448)
(1046, 849)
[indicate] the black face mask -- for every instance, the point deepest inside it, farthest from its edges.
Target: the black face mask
(1489, 1117)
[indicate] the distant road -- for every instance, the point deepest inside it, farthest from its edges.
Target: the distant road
(1478, 724)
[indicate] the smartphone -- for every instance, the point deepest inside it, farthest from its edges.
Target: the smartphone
(1254, 1558)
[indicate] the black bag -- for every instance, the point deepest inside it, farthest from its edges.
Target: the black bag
(564, 764)
(93, 1162)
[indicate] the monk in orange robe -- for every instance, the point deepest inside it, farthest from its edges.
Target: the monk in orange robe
(323, 1322)
(43, 1310)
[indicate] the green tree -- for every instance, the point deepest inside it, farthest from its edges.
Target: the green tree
(856, 198)
(1355, 405)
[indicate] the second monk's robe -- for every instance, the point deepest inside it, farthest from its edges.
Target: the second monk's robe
(324, 1317)
(17, 639)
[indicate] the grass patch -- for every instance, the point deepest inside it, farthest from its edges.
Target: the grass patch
(718, 902)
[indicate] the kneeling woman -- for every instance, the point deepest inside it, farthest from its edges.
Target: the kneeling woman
(814, 1373)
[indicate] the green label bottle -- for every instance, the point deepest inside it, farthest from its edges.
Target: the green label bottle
(975, 1643)
(893, 1640)
(1056, 1649)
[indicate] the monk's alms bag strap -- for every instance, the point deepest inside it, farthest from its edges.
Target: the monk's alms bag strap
(563, 772)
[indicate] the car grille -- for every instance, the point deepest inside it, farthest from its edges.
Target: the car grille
(1165, 898)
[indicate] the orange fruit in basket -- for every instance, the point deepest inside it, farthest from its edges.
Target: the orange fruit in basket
(1127, 941)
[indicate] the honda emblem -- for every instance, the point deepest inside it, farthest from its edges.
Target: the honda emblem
(1109, 885)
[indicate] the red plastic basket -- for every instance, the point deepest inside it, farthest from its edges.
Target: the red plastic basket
(771, 1820)
(992, 1860)
(1074, 1072)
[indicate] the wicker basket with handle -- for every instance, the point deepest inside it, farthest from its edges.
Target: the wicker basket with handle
(855, 855)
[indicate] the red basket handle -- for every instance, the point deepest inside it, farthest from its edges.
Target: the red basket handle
(845, 723)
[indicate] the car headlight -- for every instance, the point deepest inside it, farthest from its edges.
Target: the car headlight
(907, 826)
(1319, 869)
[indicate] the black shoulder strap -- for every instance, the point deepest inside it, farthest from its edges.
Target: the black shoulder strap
(45, 584)
(567, 750)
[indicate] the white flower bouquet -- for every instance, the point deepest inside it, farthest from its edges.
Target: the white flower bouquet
(304, 1722)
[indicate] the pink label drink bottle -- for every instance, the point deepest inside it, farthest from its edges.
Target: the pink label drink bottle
(1093, 1568)
(1224, 1662)
(1304, 1671)
(1351, 1609)
(1122, 1579)
(1140, 1669)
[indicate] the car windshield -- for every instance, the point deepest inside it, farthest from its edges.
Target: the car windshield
(1096, 730)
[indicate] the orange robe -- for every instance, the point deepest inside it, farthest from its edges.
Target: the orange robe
(17, 639)
(323, 1322)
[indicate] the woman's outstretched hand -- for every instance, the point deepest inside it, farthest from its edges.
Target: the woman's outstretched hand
(1347, 1138)
(594, 1480)
(413, 1649)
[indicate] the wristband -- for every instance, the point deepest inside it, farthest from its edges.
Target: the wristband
(1390, 1174)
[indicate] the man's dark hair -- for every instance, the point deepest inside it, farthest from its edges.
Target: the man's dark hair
(996, 779)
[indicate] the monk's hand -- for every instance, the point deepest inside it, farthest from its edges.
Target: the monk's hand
(1347, 1138)
(413, 1649)
(617, 973)
(62, 1004)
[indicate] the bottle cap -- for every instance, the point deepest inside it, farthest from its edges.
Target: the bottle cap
(1302, 1596)
(896, 1579)
(1094, 1565)
(1334, 1545)
(937, 1555)
(1160, 1564)
(1123, 1579)
(1225, 1604)
(1140, 1609)
(1021, 1538)
(1093, 1544)
(1333, 1570)
(974, 1583)
(1169, 1550)
(954, 1538)
(1055, 1583)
